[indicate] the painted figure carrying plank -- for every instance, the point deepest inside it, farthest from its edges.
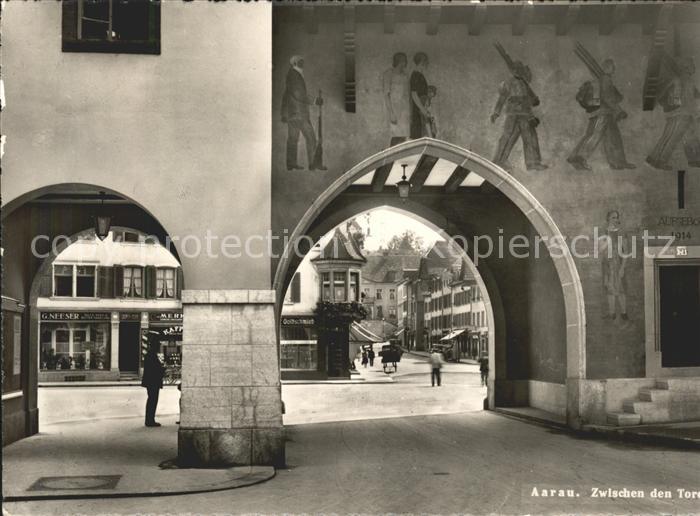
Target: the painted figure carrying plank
(516, 95)
(601, 100)
(678, 98)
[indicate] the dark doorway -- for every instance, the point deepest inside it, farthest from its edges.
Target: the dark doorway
(679, 314)
(129, 338)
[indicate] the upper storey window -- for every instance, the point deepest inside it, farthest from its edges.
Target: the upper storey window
(111, 26)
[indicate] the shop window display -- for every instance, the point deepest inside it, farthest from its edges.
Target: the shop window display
(299, 349)
(75, 346)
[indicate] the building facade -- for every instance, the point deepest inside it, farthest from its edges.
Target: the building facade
(519, 145)
(331, 273)
(97, 298)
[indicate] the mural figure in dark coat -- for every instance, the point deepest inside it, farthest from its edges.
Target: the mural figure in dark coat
(419, 92)
(678, 98)
(295, 113)
(518, 99)
(601, 100)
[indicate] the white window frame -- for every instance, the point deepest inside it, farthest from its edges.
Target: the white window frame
(74, 279)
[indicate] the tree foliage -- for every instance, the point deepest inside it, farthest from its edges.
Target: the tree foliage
(334, 315)
(407, 242)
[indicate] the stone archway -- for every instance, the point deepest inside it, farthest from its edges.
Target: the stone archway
(530, 208)
(65, 213)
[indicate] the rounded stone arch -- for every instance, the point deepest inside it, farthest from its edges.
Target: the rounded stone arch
(23, 219)
(495, 313)
(10, 206)
(511, 188)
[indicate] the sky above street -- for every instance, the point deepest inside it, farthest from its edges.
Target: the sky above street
(382, 224)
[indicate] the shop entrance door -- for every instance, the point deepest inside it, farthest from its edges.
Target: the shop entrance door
(679, 315)
(129, 345)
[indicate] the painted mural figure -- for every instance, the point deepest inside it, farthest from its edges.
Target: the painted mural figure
(429, 121)
(614, 248)
(601, 100)
(518, 99)
(419, 92)
(397, 99)
(295, 113)
(678, 99)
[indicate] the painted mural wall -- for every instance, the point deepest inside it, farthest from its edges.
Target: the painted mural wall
(563, 114)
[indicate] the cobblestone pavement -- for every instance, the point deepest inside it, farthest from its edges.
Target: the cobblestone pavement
(462, 460)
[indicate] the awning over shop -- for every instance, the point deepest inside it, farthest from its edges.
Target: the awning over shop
(361, 335)
(452, 335)
(398, 333)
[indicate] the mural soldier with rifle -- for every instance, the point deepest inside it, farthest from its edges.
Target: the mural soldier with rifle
(678, 97)
(601, 100)
(519, 99)
(295, 113)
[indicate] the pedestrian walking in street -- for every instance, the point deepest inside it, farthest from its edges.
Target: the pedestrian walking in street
(152, 380)
(370, 356)
(436, 362)
(364, 358)
(484, 368)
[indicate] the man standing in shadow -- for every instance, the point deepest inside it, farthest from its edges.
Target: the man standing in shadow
(152, 380)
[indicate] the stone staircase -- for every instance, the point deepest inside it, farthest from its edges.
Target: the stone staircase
(670, 400)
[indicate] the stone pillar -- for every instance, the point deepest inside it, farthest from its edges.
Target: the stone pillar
(231, 411)
(114, 343)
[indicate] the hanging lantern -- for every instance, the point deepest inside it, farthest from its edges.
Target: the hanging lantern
(103, 222)
(404, 186)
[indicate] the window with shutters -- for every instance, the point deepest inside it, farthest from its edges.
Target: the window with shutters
(133, 282)
(113, 26)
(165, 283)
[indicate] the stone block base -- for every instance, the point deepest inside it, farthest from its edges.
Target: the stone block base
(207, 447)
